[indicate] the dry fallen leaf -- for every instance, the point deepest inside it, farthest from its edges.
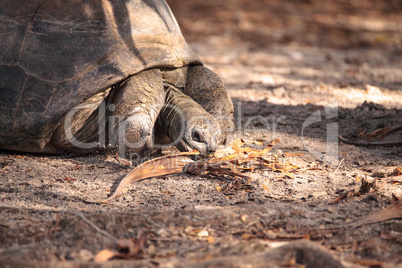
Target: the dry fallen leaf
(238, 157)
(367, 185)
(362, 134)
(247, 236)
(243, 217)
(76, 167)
(343, 196)
(397, 172)
(68, 179)
(156, 167)
(382, 132)
(365, 262)
(288, 154)
(105, 255)
(17, 156)
(130, 248)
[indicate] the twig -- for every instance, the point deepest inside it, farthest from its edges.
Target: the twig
(368, 144)
(340, 163)
(104, 233)
(151, 221)
(393, 211)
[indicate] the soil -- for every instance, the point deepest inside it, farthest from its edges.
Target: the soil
(300, 71)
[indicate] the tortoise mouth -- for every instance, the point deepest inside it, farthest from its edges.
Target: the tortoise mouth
(204, 140)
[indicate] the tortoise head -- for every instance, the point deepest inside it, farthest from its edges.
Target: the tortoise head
(202, 133)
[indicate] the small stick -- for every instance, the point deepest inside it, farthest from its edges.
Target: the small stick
(340, 163)
(368, 144)
(151, 221)
(104, 233)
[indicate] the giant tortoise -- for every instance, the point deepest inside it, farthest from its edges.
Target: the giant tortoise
(78, 76)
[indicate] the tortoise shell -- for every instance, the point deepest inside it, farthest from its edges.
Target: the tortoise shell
(56, 54)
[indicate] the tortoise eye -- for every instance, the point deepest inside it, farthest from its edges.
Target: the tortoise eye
(196, 136)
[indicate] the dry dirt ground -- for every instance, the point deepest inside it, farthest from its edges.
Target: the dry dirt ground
(300, 71)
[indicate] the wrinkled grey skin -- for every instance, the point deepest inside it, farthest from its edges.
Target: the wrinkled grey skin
(78, 76)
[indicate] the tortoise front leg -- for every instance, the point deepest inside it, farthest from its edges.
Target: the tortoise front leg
(138, 102)
(125, 118)
(83, 128)
(207, 89)
(187, 124)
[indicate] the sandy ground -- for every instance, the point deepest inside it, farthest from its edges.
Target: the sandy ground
(300, 71)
